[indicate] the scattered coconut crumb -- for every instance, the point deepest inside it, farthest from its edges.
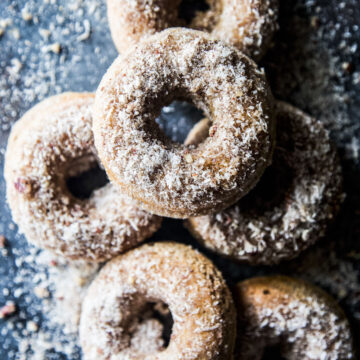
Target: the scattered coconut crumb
(3, 241)
(55, 48)
(32, 326)
(26, 15)
(87, 31)
(60, 289)
(7, 310)
(4, 23)
(15, 33)
(41, 292)
(45, 34)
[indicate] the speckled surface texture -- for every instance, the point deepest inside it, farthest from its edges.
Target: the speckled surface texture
(50, 46)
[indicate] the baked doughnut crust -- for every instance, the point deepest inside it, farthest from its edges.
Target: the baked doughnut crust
(291, 206)
(299, 318)
(168, 178)
(191, 286)
(51, 142)
(247, 24)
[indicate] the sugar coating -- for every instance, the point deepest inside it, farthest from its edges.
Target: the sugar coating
(250, 232)
(50, 142)
(194, 290)
(168, 178)
(304, 321)
(247, 24)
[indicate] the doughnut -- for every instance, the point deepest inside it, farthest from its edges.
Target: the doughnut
(168, 178)
(50, 143)
(290, 207)
(300, 319)
(247, 24)
(198, 133)
(173, 274)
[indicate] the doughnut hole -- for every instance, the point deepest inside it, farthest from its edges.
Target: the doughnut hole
(83, 185)
(83, 176)
(188, 9)
(272, 352)
(177, 119)
(144, 326)
(278, 180)
(203, 15)
(160, 311)
(272, 189)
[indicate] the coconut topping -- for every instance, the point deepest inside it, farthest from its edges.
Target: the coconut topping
(303, 321)
(50, 143)
(290, 207)
(247, 24)
(199, 301)
(168, 178)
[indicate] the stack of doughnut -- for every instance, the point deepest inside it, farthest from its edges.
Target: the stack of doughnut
(257, 180)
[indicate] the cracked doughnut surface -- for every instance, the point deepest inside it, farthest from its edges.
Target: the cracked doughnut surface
(188, 283)
(300, 319)
(168, 178)
(291, 206)
(51, 142)
(247, 24)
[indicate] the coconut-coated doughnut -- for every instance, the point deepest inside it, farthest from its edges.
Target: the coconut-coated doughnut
(247, 24)
(168, 178)
(290, 207)
(174, 274)
(51, 142)
(300, 319)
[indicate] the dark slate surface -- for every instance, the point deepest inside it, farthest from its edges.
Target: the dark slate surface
(318, 40)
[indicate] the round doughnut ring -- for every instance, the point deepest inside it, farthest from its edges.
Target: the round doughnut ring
(168, 178)
(188, 283)
(299, 318)
(290, 207)
(52, 142)
(247, 24)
